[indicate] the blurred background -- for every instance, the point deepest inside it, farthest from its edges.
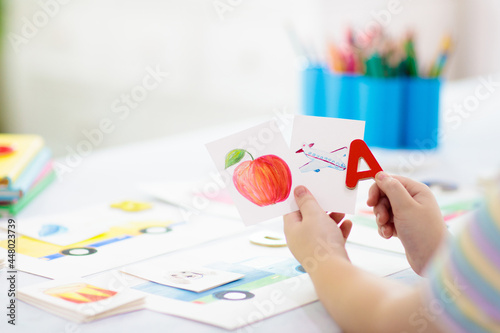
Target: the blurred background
(151, 68)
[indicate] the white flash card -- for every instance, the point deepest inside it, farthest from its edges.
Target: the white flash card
(191, 278)
(63, 229)
(320, 149)
(255, 166)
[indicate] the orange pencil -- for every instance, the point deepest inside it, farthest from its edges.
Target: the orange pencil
(335, 59)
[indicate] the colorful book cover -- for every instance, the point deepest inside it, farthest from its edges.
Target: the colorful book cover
(46, 170)
(81, 301)
(15, 208)
(16, 152)
(25, 181)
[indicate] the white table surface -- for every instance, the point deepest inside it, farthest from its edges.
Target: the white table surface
(471, 150)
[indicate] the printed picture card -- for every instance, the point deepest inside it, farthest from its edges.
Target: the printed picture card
(193, 196)
(255, 166)
(80, 301)
(157, 230)
(261, 170)
(320, 151)
(197, 279)
(62, 229)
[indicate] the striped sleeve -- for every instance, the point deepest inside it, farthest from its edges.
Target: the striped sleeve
(464, 278)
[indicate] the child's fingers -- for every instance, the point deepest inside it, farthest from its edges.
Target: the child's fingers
(412, 186)
(374, 194)
(308, 205)
(394, 230)
(382, 211)
(396, 192)
(379, 232)
(292, 217)
(387, 230)
(346, 227)
(291, 222)
(337, 217)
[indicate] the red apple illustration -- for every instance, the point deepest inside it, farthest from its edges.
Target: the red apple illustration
(264, 181)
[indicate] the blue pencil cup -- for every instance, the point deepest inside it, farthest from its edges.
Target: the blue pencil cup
(380, 104)
(421, 106)
(399, 112)
(314, 91)
(342, 95)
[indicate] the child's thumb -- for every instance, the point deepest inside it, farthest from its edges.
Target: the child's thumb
(306, 201)
(395, 191)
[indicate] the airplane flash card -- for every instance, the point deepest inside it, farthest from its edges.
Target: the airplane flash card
(321, 148)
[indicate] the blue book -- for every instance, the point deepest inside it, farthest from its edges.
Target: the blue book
(23, 183)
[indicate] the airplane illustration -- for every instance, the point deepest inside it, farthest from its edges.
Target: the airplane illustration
(321, 159)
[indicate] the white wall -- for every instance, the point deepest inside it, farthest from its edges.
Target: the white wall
(67, 76)
(478, 49)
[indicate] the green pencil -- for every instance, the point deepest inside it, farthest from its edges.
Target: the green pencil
(411, 57)
(374, 66)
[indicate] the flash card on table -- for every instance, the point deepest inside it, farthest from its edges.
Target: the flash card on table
(191, 278)
(255, 165)
(320, 148)
(61, 229)
(80, 301)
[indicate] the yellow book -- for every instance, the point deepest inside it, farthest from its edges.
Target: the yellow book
(16, 152)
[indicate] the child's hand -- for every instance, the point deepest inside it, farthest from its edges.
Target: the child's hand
(407, 209)
(311, 234)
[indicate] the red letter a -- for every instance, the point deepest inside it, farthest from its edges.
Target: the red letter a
(357, 151)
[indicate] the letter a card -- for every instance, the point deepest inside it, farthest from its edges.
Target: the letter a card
(255, 165)
(320, 149)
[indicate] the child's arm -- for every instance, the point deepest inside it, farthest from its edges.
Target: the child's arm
(358, 301)
(407, 209)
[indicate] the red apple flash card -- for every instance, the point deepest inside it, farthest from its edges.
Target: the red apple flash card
(255, 166)
(261, 170)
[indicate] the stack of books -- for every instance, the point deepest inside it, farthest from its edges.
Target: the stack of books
(81, 302)
(25, 170)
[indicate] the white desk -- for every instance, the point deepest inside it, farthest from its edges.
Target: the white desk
(112, 174)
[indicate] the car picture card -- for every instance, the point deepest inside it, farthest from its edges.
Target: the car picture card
(155, 231)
